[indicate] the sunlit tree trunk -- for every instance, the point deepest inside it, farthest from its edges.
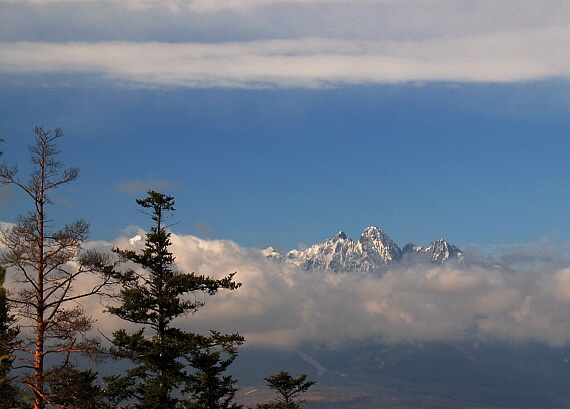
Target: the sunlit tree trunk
(38, 257)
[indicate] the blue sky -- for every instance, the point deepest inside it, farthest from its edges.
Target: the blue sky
(280, 123)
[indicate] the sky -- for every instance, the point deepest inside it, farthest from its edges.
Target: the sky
(280, 123)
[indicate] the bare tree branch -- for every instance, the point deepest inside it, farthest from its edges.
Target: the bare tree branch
(46, 263)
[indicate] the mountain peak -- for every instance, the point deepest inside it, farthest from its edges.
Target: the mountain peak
(341, 235)
(440, 251)
(411, 248)
(270, 252)
(379, 247)
(373, 231)
(374, 251)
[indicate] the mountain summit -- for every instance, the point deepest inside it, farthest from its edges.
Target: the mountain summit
(374, 251)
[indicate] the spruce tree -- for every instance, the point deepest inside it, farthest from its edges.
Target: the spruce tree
(10, 394)
(287, 389)
(208, 386)
(78, 389)
(152, 296)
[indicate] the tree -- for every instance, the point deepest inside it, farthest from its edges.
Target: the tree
(77, 389)
(5, 320)
(207, 386)
(11, 396)
(46, 264)
(10, 393)
(152, 297)
(7, 335)
(287, 389)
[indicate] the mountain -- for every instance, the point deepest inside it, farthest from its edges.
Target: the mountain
(442, 375)
(437, 252)
(374, 251)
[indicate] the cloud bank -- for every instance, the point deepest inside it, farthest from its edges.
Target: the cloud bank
(283, 44)
(309, 63)
(280, 305)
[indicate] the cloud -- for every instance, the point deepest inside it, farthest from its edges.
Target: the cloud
(288, 43)
(150, 4)
(5, 226)
(302, 63)
(283, 306)
(138, 186)
(219, 21)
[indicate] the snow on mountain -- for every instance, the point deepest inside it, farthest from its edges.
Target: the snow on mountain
(375, 250)
(335, 254)
(133, 240)
(438, 251)
(412, 248)
(271, 253)
(378, 247)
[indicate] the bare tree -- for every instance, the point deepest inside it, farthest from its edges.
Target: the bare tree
(46, 263)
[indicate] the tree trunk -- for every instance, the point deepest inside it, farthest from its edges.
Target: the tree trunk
(40, 324)
(39, 366)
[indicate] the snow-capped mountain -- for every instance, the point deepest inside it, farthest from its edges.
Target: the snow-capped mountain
(438, 251)
(374, 251)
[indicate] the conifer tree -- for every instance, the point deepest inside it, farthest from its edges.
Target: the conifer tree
(208, 387)
(47, 263)
(10, 394)
(78, 389)
(287, 389)
(152, 296)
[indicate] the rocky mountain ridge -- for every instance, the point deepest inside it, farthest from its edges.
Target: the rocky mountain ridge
(374, 251)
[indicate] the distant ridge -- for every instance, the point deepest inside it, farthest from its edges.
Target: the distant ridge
(374, 251)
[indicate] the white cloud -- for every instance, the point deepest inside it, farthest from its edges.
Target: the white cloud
(314, 62)
(138, 186)
(287, 43)
(281, 305)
